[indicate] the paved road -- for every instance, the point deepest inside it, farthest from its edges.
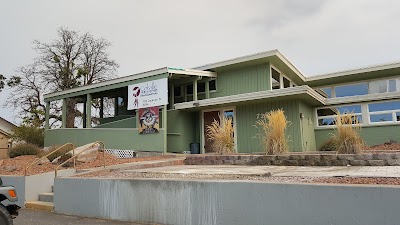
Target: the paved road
(31, 217)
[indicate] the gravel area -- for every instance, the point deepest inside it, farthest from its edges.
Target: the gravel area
(17, 165)
(264, 177)
(388, 146)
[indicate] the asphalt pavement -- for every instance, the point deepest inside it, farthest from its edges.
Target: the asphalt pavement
(30, 217)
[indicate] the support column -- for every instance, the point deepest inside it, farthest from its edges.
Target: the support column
(116, 106)
(164, 125)
(207, 89)
(64, 113)
(101, 107)
(195, 90)
(88, 111)
(171, 97)
(84, 114)
(47, 116)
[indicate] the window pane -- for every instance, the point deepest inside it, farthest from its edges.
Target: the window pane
(384, 106)
(392, 85)
(286, 82)
(326, 112)
(398, 116)
(327, 91)
(379, 86)
(381, 118)
(189, 89)
(397, 84)
(213, 85)
(177, 91)
(351, 90)
(201, 87)
(349, 109)
(326, 121)
(275, 79)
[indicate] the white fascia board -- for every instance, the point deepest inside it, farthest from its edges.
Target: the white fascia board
(252, 96)
(110, 82)
(363, 98)
(238, 60)
(192, 72)
(354, 71)
(290, 65)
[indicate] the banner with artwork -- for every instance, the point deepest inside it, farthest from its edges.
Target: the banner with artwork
(149, 120)
(148, 94)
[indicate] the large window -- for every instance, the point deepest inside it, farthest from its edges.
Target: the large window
(384, 112)
(278, 80)
(328, 116)
(364, 88)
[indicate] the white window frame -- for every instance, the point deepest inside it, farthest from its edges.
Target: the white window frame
(365, 115)
(281, 76)
(333, 93)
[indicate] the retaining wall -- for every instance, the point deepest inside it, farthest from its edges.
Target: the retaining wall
(226, 202)
(367, 159)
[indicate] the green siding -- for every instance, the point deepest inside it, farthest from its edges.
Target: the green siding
(371, 135)
(307, 127)
(122, 123)
(129, 139)
(246, 116)
(244, 80)
(180, 130)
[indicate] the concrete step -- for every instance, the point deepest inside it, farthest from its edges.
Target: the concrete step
(47, 206)
(46, 197)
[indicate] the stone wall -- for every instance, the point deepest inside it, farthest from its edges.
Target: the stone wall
(368, 159)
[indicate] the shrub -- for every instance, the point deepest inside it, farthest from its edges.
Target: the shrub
(328, 145)
(24, 149)
(29, 134)
(65, 157)
(221, 133)
(347, 139)
(272, 132)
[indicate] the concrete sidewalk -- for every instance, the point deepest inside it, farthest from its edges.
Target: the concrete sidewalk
(312, 171)
(29, 217)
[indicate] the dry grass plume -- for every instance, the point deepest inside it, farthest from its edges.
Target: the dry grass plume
(221, 133)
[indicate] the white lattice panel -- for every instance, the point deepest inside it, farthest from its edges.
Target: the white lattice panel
(124, 154)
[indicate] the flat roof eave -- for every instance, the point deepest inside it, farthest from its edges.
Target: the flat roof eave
(300, 92)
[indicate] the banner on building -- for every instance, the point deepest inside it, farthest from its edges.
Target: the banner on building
(149, 120)
(148, 94)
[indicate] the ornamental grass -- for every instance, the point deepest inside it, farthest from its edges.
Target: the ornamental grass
(272, 132)
(347, 139)
(220, 132)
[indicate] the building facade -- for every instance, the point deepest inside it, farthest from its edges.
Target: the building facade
(6, 128)
(241, 88)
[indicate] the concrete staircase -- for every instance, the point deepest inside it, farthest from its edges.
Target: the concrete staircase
(45, 202)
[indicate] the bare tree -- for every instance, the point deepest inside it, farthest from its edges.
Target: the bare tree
(69, 61)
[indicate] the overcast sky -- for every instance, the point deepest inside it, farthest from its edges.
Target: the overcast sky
(317, 36)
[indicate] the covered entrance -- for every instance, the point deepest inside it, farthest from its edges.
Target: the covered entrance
(208, 116)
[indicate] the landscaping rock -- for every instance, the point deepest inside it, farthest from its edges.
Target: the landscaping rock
(328, 157)
(345, 156)
(382, 156)
(340, 163)
(297, 157)
(10, 168)
(364, 156)
(393, 162)
(376, 162)
(43, 160)
(283, 157)
(359, 163)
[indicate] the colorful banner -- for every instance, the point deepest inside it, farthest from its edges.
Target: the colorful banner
(148, 94)
(149, 120)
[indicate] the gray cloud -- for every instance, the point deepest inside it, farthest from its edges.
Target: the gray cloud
(317, 36)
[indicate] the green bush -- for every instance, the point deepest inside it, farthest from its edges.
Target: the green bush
(29, 134)
(328, 145)
(64, 158)
(24, 149)
(57, 153)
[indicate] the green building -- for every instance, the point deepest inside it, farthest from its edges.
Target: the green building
(242, 88)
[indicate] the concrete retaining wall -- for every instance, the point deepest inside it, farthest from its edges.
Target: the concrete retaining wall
(325, 159)
(226, 202)
(28, 187)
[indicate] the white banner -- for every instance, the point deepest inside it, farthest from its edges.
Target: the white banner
(148, 94)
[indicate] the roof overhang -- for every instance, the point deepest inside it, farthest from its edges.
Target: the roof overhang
(304, 93)
(354, 75)
(191, 72)
(274, 57)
